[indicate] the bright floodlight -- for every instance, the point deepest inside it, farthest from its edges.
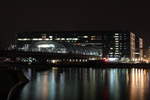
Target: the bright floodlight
(46, 46)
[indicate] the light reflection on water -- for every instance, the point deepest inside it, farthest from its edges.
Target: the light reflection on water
(88, 84)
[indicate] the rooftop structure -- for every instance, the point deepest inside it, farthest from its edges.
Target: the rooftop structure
(54, 47)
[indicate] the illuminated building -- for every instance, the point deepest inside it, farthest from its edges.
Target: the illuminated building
(147, 54)
(139, 49)
(54, 47)
(114, 45)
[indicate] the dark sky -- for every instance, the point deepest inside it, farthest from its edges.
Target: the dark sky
(47, 15)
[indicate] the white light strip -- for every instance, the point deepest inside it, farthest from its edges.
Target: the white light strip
(46, 46)
(37, 39)
(24, 39)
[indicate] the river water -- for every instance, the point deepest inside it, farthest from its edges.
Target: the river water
(87, 84)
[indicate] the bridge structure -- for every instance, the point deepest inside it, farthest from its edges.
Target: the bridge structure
(45, 57)
(50, 52)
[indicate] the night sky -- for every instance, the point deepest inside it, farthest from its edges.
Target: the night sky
(67, 15)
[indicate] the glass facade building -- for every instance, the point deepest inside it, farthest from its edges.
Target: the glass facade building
(115, 45)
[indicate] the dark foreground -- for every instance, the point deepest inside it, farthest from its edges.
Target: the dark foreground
(10, 82)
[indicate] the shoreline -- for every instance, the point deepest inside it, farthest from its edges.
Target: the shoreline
(10, 78)
(93, 64)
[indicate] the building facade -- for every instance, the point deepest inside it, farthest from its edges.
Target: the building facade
(139, 49)
(114, 45)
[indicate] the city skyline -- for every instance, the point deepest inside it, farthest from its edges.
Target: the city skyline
(119, 45)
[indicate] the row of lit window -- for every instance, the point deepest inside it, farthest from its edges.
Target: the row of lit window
(67, 39)
(79, 60)
(118, 48)
(82, 36)
(117, 52)
(26, 39)
(116, 56)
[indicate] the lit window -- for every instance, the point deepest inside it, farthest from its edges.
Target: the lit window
(35, 39)
(57, 39)
(75, 38)
(93, 37)
(46, 39)
(62, 38)
(50, 36)
(40, 38)
(24, 39)
(67, 38)
(116, 36)
(85, 36)
(43, 36)
(116, 33)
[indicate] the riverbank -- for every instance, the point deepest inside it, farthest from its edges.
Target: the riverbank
(89, 64)
(9, 78)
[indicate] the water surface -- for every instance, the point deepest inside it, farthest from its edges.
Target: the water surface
(88, 84)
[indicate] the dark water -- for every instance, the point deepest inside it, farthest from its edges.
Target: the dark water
(88, 84)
